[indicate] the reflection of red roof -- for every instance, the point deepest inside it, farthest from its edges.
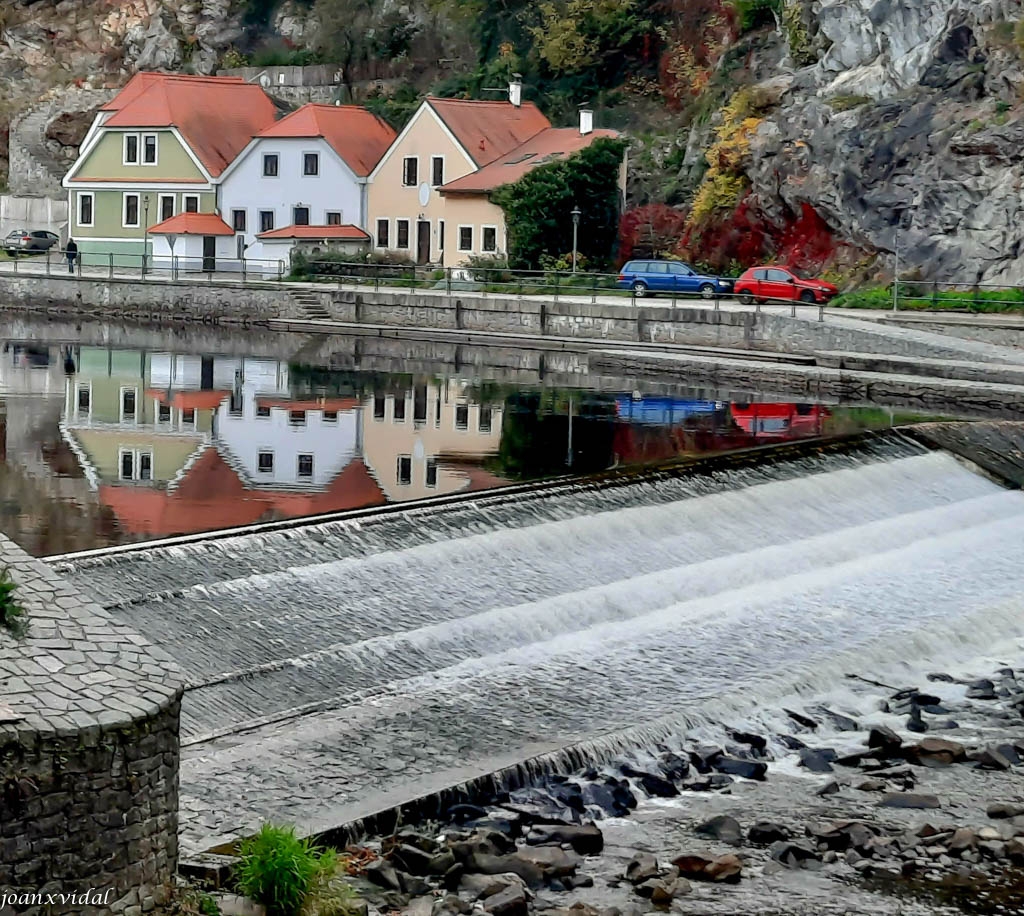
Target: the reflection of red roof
(216, 116)
(547, 146)
(314, 232)
(338, 404)
(487, 129)
(189, 400)
(357, 136)
(211, 496)
(193, 224)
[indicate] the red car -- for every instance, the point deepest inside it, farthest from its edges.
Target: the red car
(781, 283)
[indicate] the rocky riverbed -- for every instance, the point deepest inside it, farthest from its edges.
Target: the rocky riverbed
(879, 798)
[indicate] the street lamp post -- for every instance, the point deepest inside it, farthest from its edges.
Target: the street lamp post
(145, 232)
(576, 214)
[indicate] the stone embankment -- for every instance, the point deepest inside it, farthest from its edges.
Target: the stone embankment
(89, 756)
(862, 809)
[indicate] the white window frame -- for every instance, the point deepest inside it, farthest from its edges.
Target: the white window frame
(259, 453)
(79, 387)
(398, 470)
(376, 233)
(309, 214)
(444, 168)
(440, 235)
(329, 213)
(156, 413)
(273, 220)
(408, 235)
(312, 466)
(185, 198)
(124, 210)
(245, 219)
(430, 463)
(142, 149)
(306, 174)
(472, 237)
(263, 165)
(124, 150)
(483, 229)
(137, 454)
(455, 416)
(82, 195)
(415, 159)
(160, 198)
(120, 403)
(183, 423)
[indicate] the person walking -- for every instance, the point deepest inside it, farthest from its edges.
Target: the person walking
(71, 252)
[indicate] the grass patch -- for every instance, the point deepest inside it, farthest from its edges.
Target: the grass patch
(12, 615)
(848, 102)
(930, 297)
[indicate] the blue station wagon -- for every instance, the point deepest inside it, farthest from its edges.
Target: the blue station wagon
(646, 278)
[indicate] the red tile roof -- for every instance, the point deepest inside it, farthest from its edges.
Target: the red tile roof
(314, 232)
(193, 224)
(189, 400)
(547, 146)
(338, 404)
(217, 116)
(358, 136)
(488, 130)
(211, 496)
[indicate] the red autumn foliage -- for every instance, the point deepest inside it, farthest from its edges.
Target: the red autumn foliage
(700, 32)
(649, 230)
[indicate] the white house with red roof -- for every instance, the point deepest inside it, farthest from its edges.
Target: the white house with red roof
(157, 152)
(302, 182)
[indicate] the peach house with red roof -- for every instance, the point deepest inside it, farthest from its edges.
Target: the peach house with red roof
(157, 152)
(301, 183)
(429, 194)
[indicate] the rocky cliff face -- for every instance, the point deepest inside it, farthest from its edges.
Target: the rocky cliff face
(910, 117)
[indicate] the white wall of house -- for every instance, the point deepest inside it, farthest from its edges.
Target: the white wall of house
(188, 249)
(336, 189)
(283, 436)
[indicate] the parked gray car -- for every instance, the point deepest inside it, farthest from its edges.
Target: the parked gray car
(21, 241)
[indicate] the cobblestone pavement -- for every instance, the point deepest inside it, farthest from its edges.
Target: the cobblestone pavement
(339, 669)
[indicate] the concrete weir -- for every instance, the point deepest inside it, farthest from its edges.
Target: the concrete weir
(318, 697)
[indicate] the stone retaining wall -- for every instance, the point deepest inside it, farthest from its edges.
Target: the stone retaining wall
(734, 328)
(89, 757)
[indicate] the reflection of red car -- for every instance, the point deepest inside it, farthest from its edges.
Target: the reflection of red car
(780, 421)
(764, 283)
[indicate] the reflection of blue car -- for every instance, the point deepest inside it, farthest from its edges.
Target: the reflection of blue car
(662, 411)
(646, 278)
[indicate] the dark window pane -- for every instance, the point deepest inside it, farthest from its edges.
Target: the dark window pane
(403, 233)
(270, 165)
(305, 465)
(404, 470)
(311, 164)
(437, 165)
(399, 414)
(301, 216)
(431, 472)
(265, 462)
(238, 220)
(334, 219)
(461, 416)
(382, 233)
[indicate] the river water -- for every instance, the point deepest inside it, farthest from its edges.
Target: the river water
(113, 435)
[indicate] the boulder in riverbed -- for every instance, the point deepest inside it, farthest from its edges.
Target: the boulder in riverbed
(508, 902)
(815, 761)
(764, 833)
(792, 855)
(641, 867)
(999, 810)
(745, 769)
(909, 800)
(885, 740)
(587, 839)
(723, 828)
(935, 752)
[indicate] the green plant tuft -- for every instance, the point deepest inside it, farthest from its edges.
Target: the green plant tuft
(12, 615)
(848, 102)
(280, 870)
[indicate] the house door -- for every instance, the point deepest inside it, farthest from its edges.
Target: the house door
(422, 241)
(209, 253)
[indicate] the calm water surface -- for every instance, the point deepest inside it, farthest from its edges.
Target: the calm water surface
(167, 433)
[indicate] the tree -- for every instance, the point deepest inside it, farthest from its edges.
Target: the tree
(538, 206)
(575, 36)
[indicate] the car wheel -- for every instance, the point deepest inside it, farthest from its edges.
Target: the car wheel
(707, 290)
(745, 296)
(639, 289)
(807, 296)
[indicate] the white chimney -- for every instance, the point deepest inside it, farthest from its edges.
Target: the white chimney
(515, 90)
(586, 121)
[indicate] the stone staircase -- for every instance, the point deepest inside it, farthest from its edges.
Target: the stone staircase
(309, 304)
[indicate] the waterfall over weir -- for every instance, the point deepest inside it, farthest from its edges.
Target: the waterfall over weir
(353, 664)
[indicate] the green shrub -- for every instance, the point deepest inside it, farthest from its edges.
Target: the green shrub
(12, 615)
(280, 870)
(489, 268)
(753, 14)
(208, 906)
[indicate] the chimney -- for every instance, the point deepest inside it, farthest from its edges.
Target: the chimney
(586, 121)
(515, 90)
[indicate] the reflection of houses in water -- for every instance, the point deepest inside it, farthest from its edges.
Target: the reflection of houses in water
(429, 439)
(176, 444)
(780, 421)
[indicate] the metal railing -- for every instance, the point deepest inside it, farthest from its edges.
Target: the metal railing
(146, 266)
(549, 285)
(920, 295)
